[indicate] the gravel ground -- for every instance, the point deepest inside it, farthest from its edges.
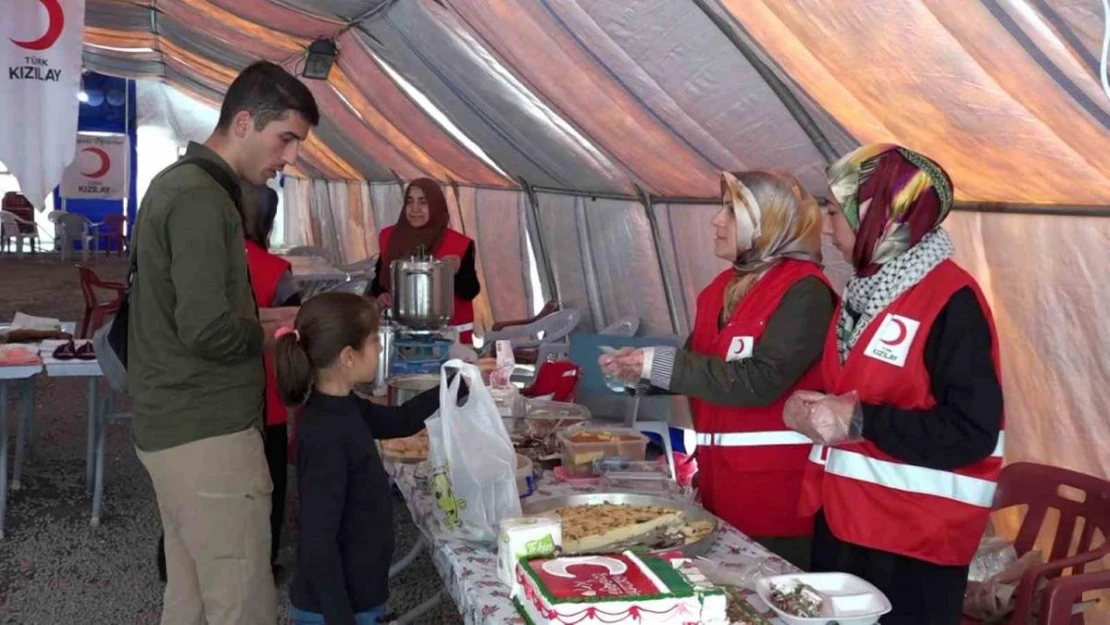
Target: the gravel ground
(57, 570)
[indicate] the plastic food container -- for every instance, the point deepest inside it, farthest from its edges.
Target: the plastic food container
(525, 476)
(510, 403)
(848, 600)
(582, 446)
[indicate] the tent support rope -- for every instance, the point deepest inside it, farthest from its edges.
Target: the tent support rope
(793, 106)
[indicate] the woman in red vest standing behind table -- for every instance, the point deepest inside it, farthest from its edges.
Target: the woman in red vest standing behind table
(910, 433)
(272, 282)
(757, 336)
(424, 222)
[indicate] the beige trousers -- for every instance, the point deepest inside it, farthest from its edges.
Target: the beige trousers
(214, 499)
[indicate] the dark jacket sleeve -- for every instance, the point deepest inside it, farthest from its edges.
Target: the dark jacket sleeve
(791, 344)
(963, 427)
(323, 492)
(466, 280)
(408, 418)
(376, 287)
(197, 232)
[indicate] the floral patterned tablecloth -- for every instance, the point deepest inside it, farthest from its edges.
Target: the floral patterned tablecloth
(469, 571)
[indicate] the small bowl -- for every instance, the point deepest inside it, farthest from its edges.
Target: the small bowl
(855, 601)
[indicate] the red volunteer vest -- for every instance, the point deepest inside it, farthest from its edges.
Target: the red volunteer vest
(873, 499)
(453, 244)
(750, 465)
(266, 270)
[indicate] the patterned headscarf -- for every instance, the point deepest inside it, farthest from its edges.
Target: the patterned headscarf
(895, 200)
(892, 197)
(783, 222)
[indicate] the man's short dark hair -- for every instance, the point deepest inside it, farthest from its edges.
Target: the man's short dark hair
(267, 91)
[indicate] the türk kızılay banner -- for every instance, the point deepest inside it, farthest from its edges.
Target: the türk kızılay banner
(40, 77)
(99, 171)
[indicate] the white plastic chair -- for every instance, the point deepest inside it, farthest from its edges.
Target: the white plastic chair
(74, 227)
(10, 231)
(307, 250)
(550, 329)
(625, 326)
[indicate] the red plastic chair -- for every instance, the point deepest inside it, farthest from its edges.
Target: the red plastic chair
(96, 311)
(111, 229)
(559, 379)
(1041, 488)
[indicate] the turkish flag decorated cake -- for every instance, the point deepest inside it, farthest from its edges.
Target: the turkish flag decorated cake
(616, 588)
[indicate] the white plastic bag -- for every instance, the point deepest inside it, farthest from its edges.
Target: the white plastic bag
(473, 460)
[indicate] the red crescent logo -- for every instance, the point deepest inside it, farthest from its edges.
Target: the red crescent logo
(105, 163)
(901, 333)
(740, 346)
(57, 19)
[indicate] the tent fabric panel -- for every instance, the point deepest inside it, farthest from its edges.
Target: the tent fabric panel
(485, 100)
(495, 220)
(283, 18)
(906, 85)
(1047, 301)
(625, 266)
(671, 57)
(688, 252)
(116, 15)
(557, 68)
(388, 201)
(347, 148)
(559, 218)
(384, 95)
(343, 9)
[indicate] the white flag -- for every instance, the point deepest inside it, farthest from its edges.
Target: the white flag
(99, 170)
(40, 77)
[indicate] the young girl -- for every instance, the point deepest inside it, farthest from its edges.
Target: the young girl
(346, 523)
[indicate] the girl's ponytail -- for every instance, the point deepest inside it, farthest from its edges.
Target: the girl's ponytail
(293, 369)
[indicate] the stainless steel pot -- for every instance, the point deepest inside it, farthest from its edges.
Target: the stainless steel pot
(404, 387)
(423, 292)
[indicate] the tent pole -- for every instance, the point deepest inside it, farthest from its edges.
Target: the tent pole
(539, 246)
(657, 243)
(797, 111)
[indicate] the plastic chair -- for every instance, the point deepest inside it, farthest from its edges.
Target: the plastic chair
(307, 250)
(360, 286)
(548, 309)
(527, 339)
(71, 228)
(1041, 488)
(111, 229)
(626, 326)
(14, 228)
(557, 381)
(96, 311)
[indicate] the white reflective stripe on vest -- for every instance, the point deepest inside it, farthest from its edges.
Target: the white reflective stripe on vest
(1000, 448)
(752, 439)
(817, 454)
(911, 479)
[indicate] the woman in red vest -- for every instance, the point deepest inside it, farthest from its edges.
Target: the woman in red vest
(757, 337)
(272, 282)
(424, 222)
(910, 434)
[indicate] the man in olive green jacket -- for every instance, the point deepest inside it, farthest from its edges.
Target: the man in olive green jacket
(195, 357)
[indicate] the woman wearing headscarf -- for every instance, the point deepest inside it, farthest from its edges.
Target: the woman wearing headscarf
(910, 432)
(758, 335)
(424, 223)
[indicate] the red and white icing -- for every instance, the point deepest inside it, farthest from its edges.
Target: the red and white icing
(647, 600)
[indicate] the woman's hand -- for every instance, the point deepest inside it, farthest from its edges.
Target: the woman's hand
(626, 364)
(825, 419)
(385, 300)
